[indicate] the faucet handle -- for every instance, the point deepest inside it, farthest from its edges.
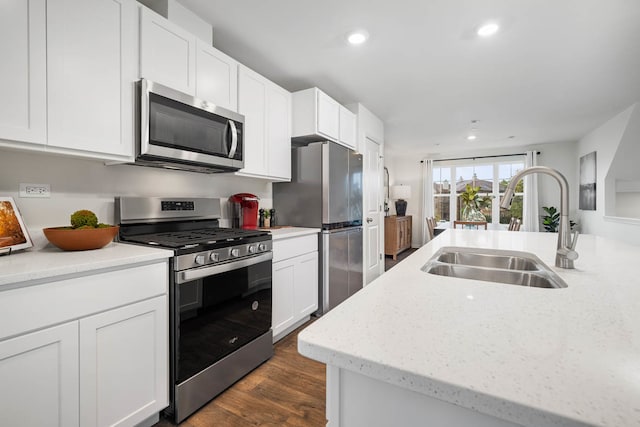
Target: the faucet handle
(574, 240)
(570, 253)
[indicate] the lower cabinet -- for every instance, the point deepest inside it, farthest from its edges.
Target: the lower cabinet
(39, 374)
(106, 367)
(295, 283)
(128, 344)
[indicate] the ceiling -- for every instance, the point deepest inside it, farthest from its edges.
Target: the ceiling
(554, 71)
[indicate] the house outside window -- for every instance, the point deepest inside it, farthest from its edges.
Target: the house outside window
(491, 176)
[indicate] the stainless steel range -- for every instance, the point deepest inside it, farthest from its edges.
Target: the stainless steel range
(219, 295)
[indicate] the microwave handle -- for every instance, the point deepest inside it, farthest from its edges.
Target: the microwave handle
(234, 138)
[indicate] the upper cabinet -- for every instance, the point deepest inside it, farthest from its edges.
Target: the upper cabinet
(23, 110)
(267, 132)
(318, 117)
(68, 76)
(216, 76)
(173, 57)
(91, 69)
(167, 53)
(347, 136)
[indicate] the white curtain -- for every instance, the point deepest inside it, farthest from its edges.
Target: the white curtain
(530, 207)
(427, 197)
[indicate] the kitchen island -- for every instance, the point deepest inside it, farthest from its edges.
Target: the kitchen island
(414, 348)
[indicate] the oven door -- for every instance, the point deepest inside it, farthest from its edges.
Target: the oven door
(219, 309)
(178, 127)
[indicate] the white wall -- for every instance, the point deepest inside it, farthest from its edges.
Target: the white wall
(617, 138)
(86, 184)
(407, 169)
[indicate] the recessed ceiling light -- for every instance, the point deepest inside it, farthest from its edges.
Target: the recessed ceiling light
(358, 37)
(471, 137)
(488, 29)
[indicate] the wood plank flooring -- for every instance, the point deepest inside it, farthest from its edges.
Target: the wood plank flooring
(286, 390)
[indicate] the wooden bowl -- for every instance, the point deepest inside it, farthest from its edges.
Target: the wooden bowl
(80, 239)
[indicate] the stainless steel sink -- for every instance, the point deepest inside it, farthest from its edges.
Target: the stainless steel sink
(493, 265)
(509, 262)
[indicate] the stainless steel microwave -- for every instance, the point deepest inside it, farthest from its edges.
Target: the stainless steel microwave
(179, 131)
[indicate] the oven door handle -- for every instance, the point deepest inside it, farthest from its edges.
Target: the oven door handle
(200, 273)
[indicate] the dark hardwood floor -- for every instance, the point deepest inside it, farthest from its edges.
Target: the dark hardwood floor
(286, 390)
(389, 262)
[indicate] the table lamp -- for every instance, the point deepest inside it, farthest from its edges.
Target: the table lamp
(401, 192)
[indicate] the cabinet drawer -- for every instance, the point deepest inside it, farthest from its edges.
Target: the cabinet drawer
(33, 307)
(289, 248)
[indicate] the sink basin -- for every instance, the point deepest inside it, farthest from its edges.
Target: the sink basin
(509, 262)
(493, 265)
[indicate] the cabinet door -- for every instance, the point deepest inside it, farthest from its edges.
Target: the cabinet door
(216, 76)
(347, 128)
(124, 364)
(167, 53)
(39, 374)
(328, 116)
(278, 132)
(306, 284)
(91, 69)
(252, 100)
(23, 71)
(283, 305)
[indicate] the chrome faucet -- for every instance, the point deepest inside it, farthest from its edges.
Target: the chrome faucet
(565, 254)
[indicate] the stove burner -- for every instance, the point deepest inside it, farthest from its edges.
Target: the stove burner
(193, 238)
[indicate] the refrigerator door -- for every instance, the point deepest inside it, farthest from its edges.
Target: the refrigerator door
(355, 260)
(335, 183)
(341, 270)
(355, 187)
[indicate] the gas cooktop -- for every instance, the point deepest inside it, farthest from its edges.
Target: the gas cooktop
(205, 236)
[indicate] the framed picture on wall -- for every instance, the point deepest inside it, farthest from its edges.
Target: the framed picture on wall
(587, 200)
(13, 233)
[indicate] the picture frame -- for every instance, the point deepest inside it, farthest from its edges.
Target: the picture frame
(13, 233)
(588, 170)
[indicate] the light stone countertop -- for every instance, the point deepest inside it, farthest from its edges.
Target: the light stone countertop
(537, 357)
(47, 262)
(288, 232)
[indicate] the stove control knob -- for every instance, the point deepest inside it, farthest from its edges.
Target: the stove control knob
(214, 257)
(235, 252)
(262, 247)
(252, 249)
(199, 259)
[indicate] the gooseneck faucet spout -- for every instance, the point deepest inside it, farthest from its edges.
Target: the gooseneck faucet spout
(565, 254)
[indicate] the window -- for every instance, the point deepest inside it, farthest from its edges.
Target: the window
(490, 175)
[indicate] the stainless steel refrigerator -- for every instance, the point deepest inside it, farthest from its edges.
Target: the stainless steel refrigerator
(326, 192)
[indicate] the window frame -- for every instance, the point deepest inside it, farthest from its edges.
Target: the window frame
(495, 193)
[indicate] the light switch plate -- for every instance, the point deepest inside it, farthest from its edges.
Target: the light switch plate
(35, 190)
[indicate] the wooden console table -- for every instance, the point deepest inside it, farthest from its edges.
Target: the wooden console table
(397, 234)
(470, 223)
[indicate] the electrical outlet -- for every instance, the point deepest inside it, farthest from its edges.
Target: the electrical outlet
(35, 190)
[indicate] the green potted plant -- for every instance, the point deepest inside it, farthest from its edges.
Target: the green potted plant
(471, 204)
(551, 220)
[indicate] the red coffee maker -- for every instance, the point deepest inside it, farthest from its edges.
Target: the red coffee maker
(244, 210)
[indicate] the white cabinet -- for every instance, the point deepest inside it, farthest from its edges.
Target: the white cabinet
(23, 72)
(104, 363)
(347, 128)
(267, 130)
(172, 56)
(216, 76)
(91, 69)
(39, 374)
(129, 343)
(328, 116)
(318, 117)
(295, 282)
(167, 52)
